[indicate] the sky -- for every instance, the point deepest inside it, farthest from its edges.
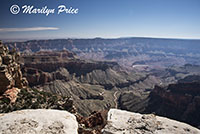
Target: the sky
(102, 18)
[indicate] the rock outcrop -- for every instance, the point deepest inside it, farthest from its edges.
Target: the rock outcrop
(92, 124)
(43, 121)
(11, 94)
(10, 73)
(179, 101)
(16, 95)
(38, 121)
(123, 122)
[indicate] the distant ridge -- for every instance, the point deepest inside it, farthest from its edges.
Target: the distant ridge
(101, 38)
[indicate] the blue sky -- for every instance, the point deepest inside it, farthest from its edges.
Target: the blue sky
(103, 18)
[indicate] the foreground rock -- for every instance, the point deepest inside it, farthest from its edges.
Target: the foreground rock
(123, 122)
(38, 122)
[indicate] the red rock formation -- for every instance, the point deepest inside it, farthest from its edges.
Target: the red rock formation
(43, 67)
(11, 94)
(92, 124)
(93, 120)
(10, 73)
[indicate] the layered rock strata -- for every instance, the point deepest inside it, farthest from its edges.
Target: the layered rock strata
(10, 73)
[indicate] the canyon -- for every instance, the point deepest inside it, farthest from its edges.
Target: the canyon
(87, 76)
(91, 83)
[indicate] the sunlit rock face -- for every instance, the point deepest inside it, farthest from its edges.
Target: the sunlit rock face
(123, 122)
(38, 122)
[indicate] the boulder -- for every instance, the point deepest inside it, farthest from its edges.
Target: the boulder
(38, 121)
(123, 122)
(11, 94)
(93, 123)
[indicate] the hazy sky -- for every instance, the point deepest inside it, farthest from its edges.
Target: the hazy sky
(103, 18)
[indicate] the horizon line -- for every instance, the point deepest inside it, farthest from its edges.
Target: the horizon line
(125, 37)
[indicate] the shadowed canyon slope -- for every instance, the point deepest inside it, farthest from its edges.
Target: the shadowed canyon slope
(180, 101)
(91, 83)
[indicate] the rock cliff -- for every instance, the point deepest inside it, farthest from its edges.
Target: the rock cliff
(180, 101)
(15, 93)
(10, 73)
(11, 80)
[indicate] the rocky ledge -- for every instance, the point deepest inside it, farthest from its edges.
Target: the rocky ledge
(38, 121)
(123, 122)
(43, 121)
